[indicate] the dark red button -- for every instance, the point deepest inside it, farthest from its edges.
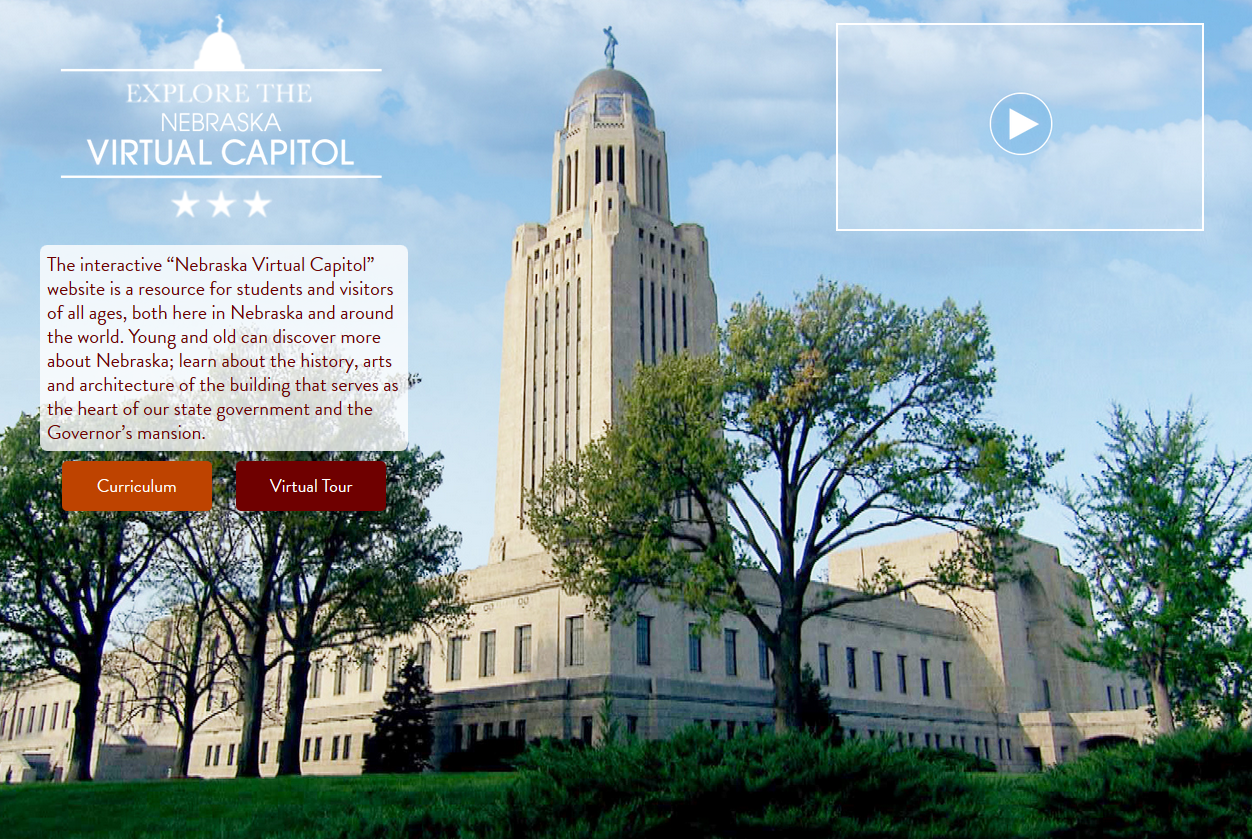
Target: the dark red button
(311, 485)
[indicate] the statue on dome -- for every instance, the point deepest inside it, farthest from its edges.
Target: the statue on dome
(610, 48)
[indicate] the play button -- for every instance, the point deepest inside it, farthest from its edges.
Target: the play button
(1021, 123)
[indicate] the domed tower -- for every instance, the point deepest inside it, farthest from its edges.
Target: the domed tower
(607, 282)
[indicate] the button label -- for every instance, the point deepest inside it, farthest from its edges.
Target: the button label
(340, 485)
(134, 485)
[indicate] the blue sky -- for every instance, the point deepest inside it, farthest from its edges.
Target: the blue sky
(460, 122)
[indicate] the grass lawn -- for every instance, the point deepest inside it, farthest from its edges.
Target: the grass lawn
(269, 807)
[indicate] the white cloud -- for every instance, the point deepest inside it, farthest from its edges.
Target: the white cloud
(1103, 177)
(1239, 51)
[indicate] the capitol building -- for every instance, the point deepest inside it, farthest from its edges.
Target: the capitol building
(608, 282)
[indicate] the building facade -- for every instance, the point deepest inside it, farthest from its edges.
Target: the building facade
(609, 282)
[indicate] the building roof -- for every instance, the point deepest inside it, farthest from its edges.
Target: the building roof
(608, 80)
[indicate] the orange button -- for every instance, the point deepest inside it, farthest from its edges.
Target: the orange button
(150, 485)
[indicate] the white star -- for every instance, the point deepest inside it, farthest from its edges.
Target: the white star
(257, 204)
(222, 204)
(184, 206)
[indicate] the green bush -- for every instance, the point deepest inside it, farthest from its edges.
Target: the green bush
(957, 759)
(1193, 783)
(698, 785)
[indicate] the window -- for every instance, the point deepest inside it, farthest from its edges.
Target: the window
(877, 671)
(54, 708)
(574, 640)
(823, 663)
(762, 658)
(901, 662)
(217, 754)
(521, 649)
(947, 680)
(208, 755)
(265, 751)
(457, 734)
(423, 660)
(230, 755)
(104, 713)
(1047, 695)
(308, 744)
(473, 733)
(456, 646)
(315, 681)
(317, 748)
(334, 748)
(520, 730)
(695, 649)
(489, 730)
(643, 640)
(65, 723)
(504, 728)
(851, 656)
(925, 677)
(347, 746)
(43, 716)
(1123, 699)
(587, 730)
(732, 652)
(341, 670)
(367, 672)
(393, 666)
(487, 654)
(1108, 688)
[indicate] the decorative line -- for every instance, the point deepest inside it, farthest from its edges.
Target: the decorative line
(248, 70)
(220, 177)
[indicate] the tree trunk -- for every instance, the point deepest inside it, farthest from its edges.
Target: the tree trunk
(1160, 701)
(186, 731)
(252, 702)
(297, 693)
(787, 671)
(84, 724)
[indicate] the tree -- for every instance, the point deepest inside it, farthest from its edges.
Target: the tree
(1158, 533)
(354, 576)
(246, 586)
(173, 662)
(817, 714)
(403, 736)
(62, 576)
(1213, 679)
(834, 420)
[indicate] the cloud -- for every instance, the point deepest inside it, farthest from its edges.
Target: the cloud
(1104, 177)
(1239, 51)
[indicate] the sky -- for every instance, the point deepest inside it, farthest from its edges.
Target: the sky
(770, 132)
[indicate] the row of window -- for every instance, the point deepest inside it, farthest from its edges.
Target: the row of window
(340, 749)
(730, 642)
(27, 721)
(982, 745)
(669, 322)
(516, 728)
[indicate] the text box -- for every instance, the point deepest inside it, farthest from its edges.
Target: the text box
(204, 348)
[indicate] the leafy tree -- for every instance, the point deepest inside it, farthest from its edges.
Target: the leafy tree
(403, 735)
(62, 576)
(1214, 675)
(354, 576)
(839, 418)
(1158, 532)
